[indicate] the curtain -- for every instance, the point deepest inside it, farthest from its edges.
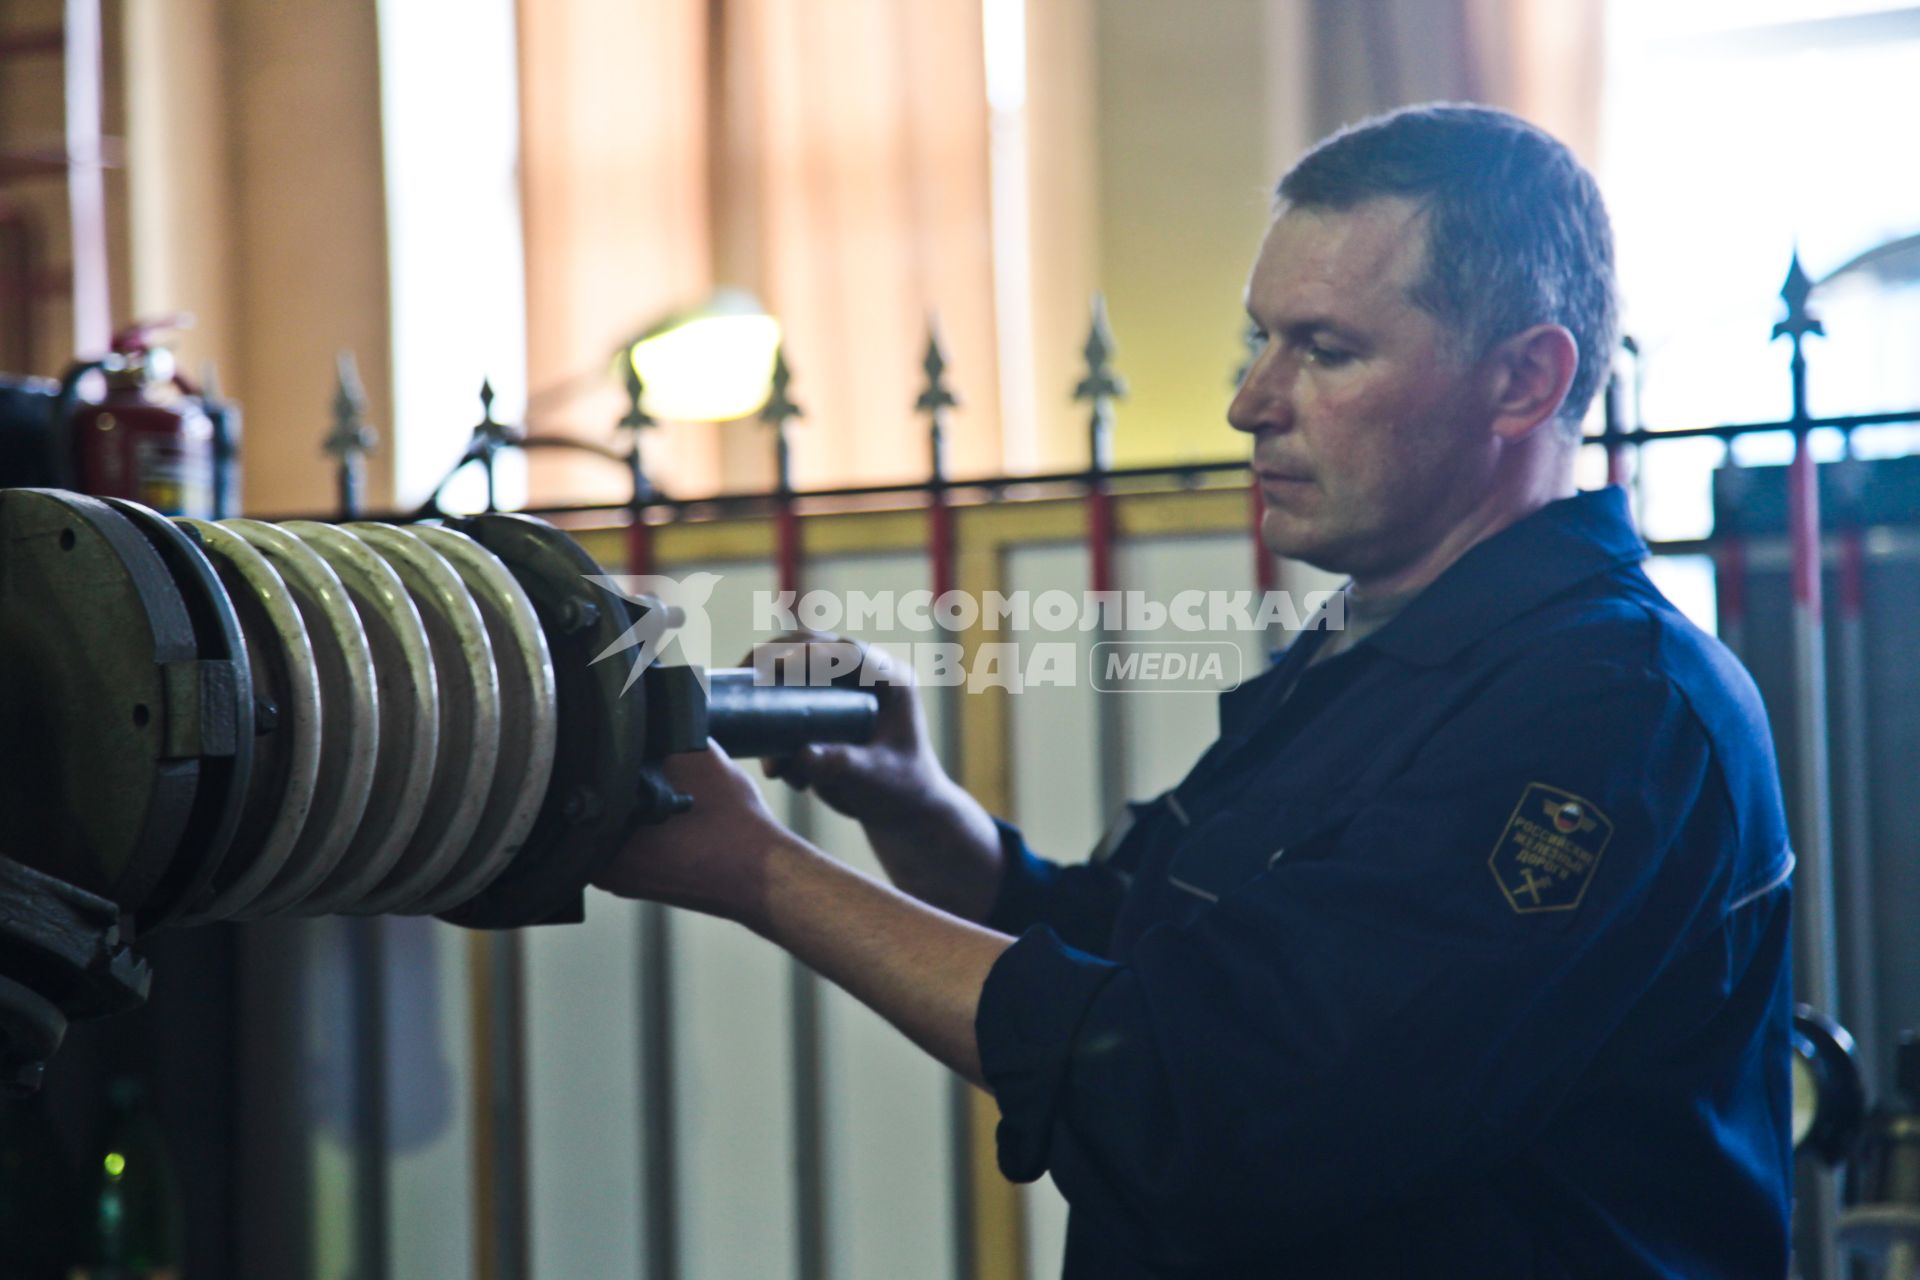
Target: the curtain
(854, 198)
(1542, 59)
(830, 158)
(613, 193)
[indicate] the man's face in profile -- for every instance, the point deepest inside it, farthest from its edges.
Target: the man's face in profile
(1370, 432)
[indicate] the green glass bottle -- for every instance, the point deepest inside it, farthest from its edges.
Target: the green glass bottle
(36, 1193)
(132, 1223)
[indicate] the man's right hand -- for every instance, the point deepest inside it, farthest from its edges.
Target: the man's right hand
(935, 841)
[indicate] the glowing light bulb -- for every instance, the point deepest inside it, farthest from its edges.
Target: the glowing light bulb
(116, 1164)
(711, 365)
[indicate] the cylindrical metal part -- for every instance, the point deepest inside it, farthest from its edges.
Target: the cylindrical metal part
(751, 719)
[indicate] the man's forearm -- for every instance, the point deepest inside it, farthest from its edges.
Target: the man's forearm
(946, 854)
(915, 965)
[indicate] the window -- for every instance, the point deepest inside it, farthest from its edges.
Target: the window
(1736, 131)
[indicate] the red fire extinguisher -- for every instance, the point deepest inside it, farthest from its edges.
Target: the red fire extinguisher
(150, 439)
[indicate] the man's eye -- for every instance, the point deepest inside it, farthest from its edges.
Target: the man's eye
(1327, 357)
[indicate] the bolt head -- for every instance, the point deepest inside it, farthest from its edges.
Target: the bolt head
(577, 614)
(581, 806)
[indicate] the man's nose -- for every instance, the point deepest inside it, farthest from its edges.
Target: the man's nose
(1261, 403)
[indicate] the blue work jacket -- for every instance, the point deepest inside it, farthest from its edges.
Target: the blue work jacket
(1465, 955)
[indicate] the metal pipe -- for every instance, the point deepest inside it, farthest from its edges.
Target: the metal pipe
(936, 400)
(659, 1109)
(1814, 879)
(1729, 552)
(1854, 860)
(1099, 388)
(804, 998)
(659, 1079)
(1820, 979)
(86, 179)
(636, 420)
(748, 718)
(780, 410)
(1611, 433)
(495, 978)
(366, 959)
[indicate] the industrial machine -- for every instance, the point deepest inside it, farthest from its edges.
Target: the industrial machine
(204, 720)
(1882, 1218)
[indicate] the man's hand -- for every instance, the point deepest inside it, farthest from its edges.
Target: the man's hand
(935, 841)
(882, 781)
(713, 858)
(918, 967)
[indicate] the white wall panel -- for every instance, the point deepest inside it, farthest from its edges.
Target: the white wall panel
(1055, 757)
(734, 1079)
(429, 1084)
(1167, 731)
(583, 1095)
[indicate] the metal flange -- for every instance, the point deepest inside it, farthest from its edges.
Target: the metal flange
(594, 797)
(226, 711)
(104, 740)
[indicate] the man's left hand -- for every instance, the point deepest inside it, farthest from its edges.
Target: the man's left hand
(714, 857)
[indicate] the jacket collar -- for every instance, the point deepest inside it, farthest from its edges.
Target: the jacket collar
(1516, 570)
(1496, 581)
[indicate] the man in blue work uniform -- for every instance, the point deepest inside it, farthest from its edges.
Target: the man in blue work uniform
(1463, 950)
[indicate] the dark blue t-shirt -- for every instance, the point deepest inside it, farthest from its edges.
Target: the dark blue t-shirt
(1466, 957)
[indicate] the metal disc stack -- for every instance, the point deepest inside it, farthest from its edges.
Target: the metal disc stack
(208, 721)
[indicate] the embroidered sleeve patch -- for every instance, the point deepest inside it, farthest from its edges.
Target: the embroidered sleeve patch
(1546, 857)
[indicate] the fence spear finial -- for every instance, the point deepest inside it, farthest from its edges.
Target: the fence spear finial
(1100, 387)
(780, 405)
(1797, 291)
(935, 399)
(1798, 325)
(776, 413)
(636, 415)
(351, 438)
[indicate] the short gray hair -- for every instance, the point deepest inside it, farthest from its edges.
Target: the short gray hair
(1517, 234)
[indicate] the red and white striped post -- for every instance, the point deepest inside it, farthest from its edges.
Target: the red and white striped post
(1099, 388)
(935, 400)
(1819, 977)
(1814, 881)
(803, 989)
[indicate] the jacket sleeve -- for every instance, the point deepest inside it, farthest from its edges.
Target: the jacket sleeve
(1078, 902)
(1364, 1021)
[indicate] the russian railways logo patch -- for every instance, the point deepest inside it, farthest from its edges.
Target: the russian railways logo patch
(1546, 857)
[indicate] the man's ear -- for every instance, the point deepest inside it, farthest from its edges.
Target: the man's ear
(1529, 376)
